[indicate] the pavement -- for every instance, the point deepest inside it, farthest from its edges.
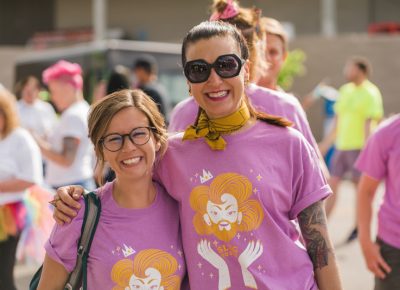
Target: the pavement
(354, 273)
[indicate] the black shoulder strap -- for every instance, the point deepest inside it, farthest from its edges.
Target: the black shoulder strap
(91, 218)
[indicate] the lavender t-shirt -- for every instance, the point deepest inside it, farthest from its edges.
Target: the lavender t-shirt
(131, 247)
(380, 159)
(236, 207)
(265, 100)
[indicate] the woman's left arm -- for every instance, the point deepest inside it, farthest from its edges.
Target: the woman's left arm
(54, 275)
(313, 226)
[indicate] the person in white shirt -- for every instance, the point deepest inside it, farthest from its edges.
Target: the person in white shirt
(20, 169)
(68, 151)
(35, 115)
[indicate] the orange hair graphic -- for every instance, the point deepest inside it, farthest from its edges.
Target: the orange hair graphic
(162, 261)
(241, 189)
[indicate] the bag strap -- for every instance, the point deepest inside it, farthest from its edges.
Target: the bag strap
(90, 221)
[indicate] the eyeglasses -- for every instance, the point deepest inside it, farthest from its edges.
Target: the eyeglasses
(138, 136)
(226, 66)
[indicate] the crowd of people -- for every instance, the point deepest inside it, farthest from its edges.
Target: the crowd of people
(233, 192)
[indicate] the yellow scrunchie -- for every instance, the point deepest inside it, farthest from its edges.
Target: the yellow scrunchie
(212, 129)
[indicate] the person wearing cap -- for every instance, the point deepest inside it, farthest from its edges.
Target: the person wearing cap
(68, 151)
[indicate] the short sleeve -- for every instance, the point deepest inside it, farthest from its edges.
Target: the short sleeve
(338, 106)
(373, 158)
(309, 183)
(374, 104)
(303, 126)
(74, 126)
(62, 244)
(29, 160)
(51, 117)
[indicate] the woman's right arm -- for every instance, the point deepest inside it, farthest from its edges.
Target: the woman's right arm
(365, 196)
(313, 225)
(54, 275)
(66, 205)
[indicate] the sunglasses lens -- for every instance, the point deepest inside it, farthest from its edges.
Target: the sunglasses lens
(197, 71)
(227, 66)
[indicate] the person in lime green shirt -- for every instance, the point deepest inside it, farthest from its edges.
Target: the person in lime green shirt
(358, 109)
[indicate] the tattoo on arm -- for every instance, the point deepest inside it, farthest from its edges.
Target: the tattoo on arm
(312, 221)
(70, 147)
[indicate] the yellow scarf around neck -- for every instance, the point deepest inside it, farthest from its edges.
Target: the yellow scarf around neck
(212, 129)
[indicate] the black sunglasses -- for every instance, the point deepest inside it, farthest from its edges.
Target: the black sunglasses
(226, 66)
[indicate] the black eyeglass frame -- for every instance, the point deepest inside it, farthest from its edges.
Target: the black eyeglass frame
(151, 129)
(239, 60)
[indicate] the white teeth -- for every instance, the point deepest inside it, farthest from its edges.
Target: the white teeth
(131, 161)
(218, 94)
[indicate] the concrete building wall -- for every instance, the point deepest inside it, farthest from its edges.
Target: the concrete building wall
(20, 19)
(8, 56)
(386, 10)
(162, 20)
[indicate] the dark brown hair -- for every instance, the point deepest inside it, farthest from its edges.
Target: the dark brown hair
(22, 83)
(248, 22)
(210, 29)
(362, 64)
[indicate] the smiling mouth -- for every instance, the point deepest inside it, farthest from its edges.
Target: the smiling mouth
(217, 96)
(131, 161)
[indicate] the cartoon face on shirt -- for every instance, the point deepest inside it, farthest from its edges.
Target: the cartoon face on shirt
(150, 269)
(225, 214)
(151, 282)
(225, 208)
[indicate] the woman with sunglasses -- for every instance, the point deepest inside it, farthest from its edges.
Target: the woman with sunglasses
(263, 99)
(240, 177)
(266, 100)
(137, 242)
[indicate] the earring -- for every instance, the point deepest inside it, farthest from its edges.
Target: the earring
(190, 91)
(246, 83)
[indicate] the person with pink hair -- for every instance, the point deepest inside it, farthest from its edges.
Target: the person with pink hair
(68, 152)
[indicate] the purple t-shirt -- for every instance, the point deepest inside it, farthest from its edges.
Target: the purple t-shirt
(236, 207)
(131, 247)
(380, 159)
(265, 100)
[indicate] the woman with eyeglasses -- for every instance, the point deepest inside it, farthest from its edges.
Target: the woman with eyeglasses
(240, 177)
(137, 242)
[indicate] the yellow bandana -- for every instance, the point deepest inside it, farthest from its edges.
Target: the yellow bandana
(212, 129)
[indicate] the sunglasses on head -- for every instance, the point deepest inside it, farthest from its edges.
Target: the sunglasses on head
(226, 66)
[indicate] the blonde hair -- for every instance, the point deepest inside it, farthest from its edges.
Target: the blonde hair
(274, 27)
(8, 108)
(238, 186)
(248, 22)
(102, 112)
(162, 261)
